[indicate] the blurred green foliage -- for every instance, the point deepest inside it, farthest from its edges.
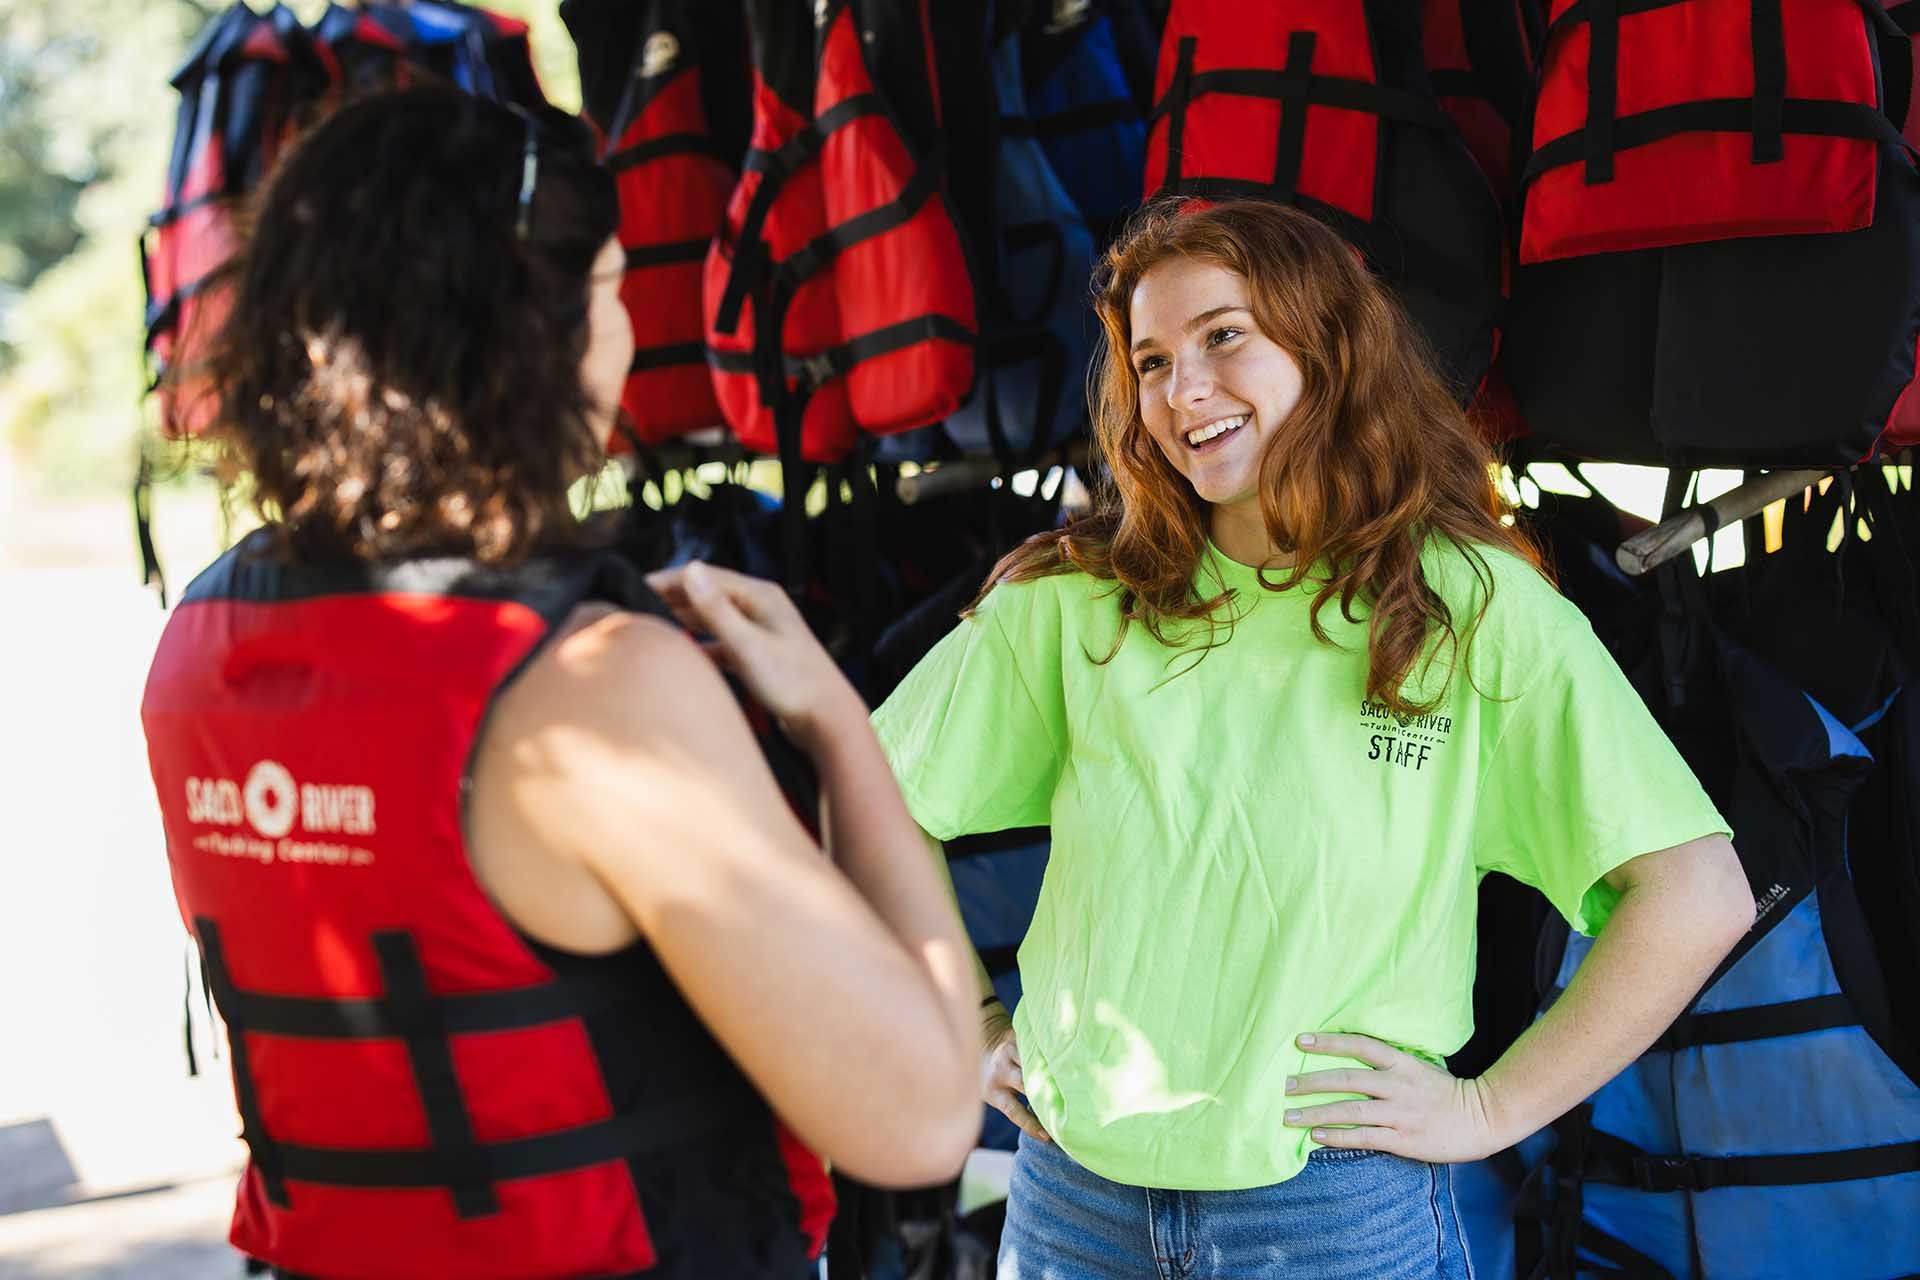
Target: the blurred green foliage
(86, 121)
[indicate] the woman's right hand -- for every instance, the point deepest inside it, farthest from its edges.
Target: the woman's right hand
(1002, 1083)
(758, 635)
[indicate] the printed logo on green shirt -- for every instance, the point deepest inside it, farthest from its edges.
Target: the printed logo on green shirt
(1404, 742)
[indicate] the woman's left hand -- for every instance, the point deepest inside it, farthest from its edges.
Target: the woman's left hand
(1411, 1108)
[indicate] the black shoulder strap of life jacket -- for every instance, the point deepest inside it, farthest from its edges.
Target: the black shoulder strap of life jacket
(1769, 114)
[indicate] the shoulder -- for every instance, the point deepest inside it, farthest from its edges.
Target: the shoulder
(627, 675)
(1517, 623)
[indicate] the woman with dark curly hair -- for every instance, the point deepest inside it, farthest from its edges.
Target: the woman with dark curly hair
(529, 964)
(1283, 699)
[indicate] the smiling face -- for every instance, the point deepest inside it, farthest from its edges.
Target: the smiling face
(1214, 389)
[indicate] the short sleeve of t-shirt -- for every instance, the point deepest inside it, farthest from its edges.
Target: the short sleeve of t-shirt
(1582, 779)
(977, 733)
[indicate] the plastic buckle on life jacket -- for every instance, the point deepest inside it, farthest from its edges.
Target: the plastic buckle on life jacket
(1669, 1173)
(816, 369)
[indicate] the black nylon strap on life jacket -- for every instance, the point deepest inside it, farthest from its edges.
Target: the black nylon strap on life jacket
(1616, 1162)
(1090, 115)
(1322, 91)
(646, 358)
(174, 212)
(1759, 1022)
(812, 372)
(674, 253)
(264, 1151)
(977, 846)
(1174, 106)
(449, 1127)
(671, 144)
(1292, 137)
(752, 257)
(1769, 80)
(1724, 115)
(1603, 88)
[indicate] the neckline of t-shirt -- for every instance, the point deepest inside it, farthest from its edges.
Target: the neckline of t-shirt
(1232, 573)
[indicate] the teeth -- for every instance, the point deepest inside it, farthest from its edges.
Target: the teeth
(1220, 428)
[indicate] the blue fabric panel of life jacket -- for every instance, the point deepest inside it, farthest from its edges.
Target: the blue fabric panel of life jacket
(1686, 1107)
(1041, 327)
(1083, 108)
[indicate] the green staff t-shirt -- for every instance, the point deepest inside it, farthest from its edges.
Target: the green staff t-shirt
(1245, 847)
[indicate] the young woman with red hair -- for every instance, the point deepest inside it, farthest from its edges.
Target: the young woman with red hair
(1283, 699)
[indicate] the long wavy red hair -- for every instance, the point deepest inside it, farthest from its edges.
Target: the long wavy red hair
(1375, 461)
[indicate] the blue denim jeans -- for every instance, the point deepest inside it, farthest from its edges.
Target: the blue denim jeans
(1349, 1215)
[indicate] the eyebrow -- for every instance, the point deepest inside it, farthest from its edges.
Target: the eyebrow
(1196, 322)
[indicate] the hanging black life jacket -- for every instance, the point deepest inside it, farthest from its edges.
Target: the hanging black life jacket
(1715, 272)
(664, 83)
(1330, 109)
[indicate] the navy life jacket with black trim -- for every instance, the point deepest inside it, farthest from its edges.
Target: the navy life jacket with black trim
(1720, 250)
(838, 297)
(663, 81)
(1086, 68)
(423, 1089)
(1330, 109)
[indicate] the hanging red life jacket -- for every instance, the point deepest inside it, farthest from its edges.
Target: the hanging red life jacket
(660, 80)
(1723, 269)
(240, 88)
(1669, 123)
(425, 1091)
(838, 296)
(1327, 107)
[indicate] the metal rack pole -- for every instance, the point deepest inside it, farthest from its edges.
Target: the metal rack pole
(1653, 547)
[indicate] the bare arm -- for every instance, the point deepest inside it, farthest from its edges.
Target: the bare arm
(627, 755)
(1680, 911)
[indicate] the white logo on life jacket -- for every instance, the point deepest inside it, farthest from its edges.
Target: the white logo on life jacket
(271, 802)
(658, 57)
(1068, 14)
(271, 799)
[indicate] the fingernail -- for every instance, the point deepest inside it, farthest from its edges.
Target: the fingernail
(1307, 1040)
(696, 575)
(1293, 1082)
(1293, 1117)
(1319, 1135)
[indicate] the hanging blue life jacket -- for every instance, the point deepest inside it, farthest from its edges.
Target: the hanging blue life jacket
(1034, 254)
(1086, 69)
(1769, 1133)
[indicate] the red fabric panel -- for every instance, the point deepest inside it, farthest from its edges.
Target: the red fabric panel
(812, 1187)
(1903, 423)
(1696, 187)
(1236, 137)
(669, 200)
(913, 270)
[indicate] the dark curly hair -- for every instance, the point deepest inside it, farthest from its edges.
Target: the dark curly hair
(399, 369)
